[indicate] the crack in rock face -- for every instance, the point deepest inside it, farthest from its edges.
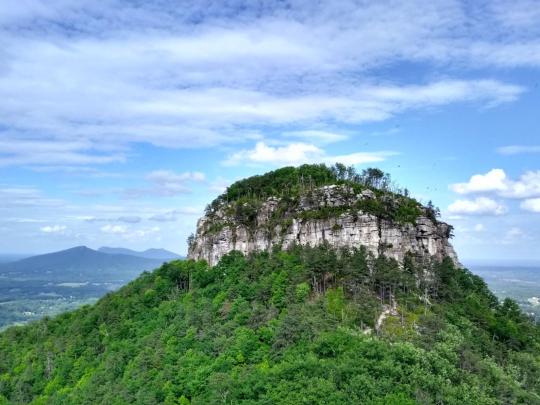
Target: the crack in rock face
(221, 232)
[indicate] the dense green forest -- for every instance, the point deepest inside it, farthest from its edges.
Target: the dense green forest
(301, 326)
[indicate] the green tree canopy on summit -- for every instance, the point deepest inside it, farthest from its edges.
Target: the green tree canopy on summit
(292, 180)
(289, 183)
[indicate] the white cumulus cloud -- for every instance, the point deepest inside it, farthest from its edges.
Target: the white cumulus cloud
(526, 186)
(114, 229)
(294, 153)
(496, 181)
(518, 149)
(59, 229)
(299, 153)
(478, 206)
(531, 204)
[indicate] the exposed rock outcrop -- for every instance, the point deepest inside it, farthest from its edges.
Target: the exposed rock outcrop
(221, 231)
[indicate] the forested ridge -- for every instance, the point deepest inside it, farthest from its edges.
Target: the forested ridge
(292, 327)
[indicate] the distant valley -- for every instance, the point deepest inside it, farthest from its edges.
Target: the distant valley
(36, 286)
(519, 282)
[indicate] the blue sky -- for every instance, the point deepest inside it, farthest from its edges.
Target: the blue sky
(120, 120)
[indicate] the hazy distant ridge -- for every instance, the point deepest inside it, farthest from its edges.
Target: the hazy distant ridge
(80, 264)
(161, 254)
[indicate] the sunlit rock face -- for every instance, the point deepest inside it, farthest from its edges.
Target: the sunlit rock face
(220, 232)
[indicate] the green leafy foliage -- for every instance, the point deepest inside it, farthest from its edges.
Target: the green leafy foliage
(295, 327)
(287, 180)
(243, 199)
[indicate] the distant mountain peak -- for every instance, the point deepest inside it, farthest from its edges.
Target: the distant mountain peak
(151, 253)
(81, 263)
(81, 247)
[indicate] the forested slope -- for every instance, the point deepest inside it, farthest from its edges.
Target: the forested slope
(295, 327)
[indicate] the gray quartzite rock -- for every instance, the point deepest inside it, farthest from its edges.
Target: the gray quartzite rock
(350, 229)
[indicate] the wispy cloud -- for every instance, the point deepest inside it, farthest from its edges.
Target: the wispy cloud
(219, 185)
(26, 197)
(313, 135)
(518, 149)
(522, 15)
(513, 235)
(78, 89)
(24, 220)
(175, 215)
(130, 219)
(169, 216)
(166, 183)
(127, 233)
(42, 152)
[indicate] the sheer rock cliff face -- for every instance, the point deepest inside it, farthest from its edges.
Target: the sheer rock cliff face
(221, 232)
